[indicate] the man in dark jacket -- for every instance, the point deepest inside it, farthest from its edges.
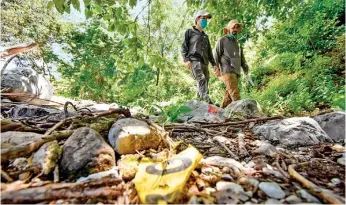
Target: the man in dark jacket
(229, 58)
(197, 53)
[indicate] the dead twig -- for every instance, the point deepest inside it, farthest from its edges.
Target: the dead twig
(123, 111)
(226, 148)
(277, 164)
(242, 122)
(327, 195)
(84, 190)
(5, 175)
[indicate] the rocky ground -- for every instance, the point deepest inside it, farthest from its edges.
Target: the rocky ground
(82, 152)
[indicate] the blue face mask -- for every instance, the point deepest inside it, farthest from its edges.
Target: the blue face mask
(203, 23)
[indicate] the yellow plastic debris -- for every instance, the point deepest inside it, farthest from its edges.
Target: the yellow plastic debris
(161, 183)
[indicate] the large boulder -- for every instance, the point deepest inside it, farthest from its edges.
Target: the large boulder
(19, 77)
(297, 131)
(201, 112)
(246, 108)
(85, 152)
(333, 124)
(129, 135)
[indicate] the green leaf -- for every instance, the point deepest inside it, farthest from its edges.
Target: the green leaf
(50, 5)
(132, 3)
(97, 9)
(140, 62)
(88, 13)
(59, 5)
(76, 4)
(118, 12)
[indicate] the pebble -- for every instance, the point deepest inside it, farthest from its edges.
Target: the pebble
(254, 182)
(234, 188)
(307, 196)
(293, 199)
(272, 201)
(341, 161)
(227, 177)
(335, 181)
(226, 170)
(272, 190)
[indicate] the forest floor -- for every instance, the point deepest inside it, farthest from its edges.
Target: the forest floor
(237, 167)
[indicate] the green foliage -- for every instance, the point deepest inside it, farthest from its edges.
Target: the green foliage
(297, 52)
(174, 111)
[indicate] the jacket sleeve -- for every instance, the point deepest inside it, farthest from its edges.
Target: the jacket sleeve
(210, 55)
(185, 46)
(243, 62)
(218, 52)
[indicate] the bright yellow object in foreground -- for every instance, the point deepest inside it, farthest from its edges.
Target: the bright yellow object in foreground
(163, 182)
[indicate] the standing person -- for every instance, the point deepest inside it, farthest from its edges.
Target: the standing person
(229, 58)
(197, 53)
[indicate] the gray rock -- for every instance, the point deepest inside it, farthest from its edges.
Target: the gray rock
(227, 177)
(233, 189)
(112, 173)
(335, 181)
(15, 138)
(129, 134)
(223, 162)
(272, 189)
(246, 108)
(272, 201)
(308, 197)
(293, 199)
(254, 183)
(23, 79)
(23, 110)
(341, 161)
(333, 124)
(273, 172)
(46, 158)
(265, 149)
(297, 131)
(19, 164)
(85, 152)
(202, 112)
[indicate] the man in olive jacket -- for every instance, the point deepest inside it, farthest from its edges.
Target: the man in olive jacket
(229, 58)
(197, 53)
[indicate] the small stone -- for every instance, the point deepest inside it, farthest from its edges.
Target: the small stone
(233, 188)
(335, 181)
(266, 149)
(227, 177)
(341, 161)
(272, 201)
(254, 184)
(273, 172)
(307, 196)
(226, 170)
(272, 190)
(293, 199)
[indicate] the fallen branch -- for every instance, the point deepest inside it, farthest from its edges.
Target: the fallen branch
(26, 148)
(82, 190)
(9, 125)
(242, 150)
(226, 148)
(327, 195)
(123, 111)
(242, 122)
